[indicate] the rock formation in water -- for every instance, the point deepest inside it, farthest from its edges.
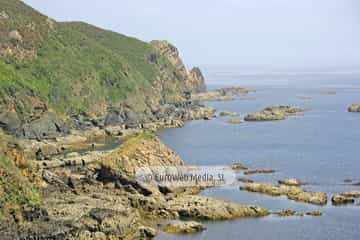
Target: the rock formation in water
(274, 113)
(292, 192)
(354, 108)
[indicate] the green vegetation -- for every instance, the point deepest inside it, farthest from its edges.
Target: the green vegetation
(73, 66)
(15, 189)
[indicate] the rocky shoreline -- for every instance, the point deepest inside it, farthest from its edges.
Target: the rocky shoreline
(101, 199)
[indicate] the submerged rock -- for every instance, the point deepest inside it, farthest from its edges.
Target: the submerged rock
(286, 213)
(184, 227)
(314, 213)
(229, 114)
(259, 171)
(234, 121)
(274, 113)
(237, 166)
(245, 180)
(292, 192)
(291, 182)
(354, 108)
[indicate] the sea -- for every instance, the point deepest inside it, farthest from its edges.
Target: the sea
(320, 147)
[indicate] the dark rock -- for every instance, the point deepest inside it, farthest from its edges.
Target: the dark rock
(9, 122)
(165, 190)
(106, 175)
(147, 232)
(35, 213)
(47, 127)
(100, 214)
(113, 118)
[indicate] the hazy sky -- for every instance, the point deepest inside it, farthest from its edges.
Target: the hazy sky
(236, 32)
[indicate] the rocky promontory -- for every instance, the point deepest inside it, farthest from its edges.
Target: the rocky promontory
(274, 113)
(222, 94)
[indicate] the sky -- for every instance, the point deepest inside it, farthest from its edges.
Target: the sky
(268, 33)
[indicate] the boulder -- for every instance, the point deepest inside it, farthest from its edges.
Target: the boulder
(354, 108)
(10, 122)
(15, 35)
(147, 232)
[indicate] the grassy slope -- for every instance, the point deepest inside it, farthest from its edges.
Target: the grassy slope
(76, 65)
(15, 189)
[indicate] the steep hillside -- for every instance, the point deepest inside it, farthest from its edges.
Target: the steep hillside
(76, 70)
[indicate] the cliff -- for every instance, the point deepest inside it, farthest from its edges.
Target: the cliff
(193, 80)
(60, 75)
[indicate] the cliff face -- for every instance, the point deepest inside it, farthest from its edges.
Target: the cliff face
(196, 80)
(193, 80)
(55, 76)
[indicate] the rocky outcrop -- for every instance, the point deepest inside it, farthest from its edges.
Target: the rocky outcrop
(291, 213)
(292, 192)
(196, 81)
(140, 151)
(354, 108)
(274, 113)
(172, 54)
(291, 182)
(184, 227)
(222, 94)
(345, 198)
(204, 208)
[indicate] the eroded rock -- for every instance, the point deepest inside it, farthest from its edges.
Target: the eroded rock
(274, 113)
(204, 208)
(292, 192)
(291, 182)
(184, 227)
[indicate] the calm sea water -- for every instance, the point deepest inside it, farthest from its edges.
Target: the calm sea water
(321, 148)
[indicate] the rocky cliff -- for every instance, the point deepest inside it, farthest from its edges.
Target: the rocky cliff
(193, 80)
(55, 76)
